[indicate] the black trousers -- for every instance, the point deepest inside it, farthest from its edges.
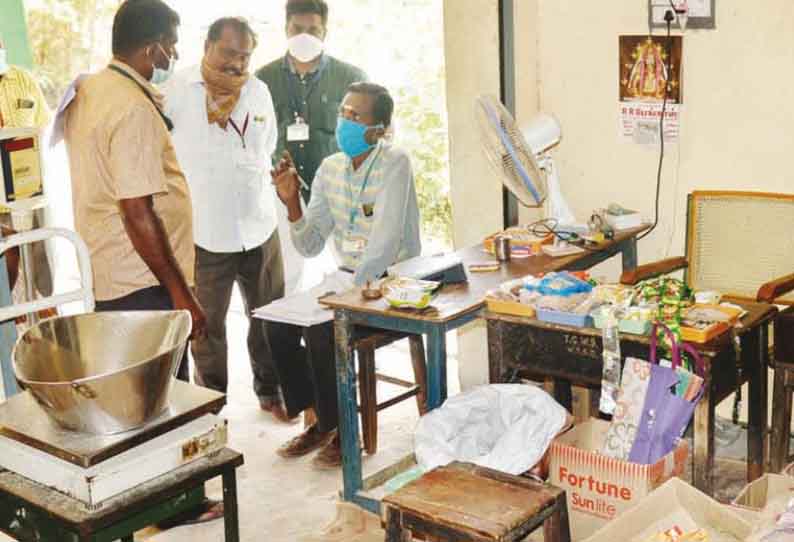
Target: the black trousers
(307, 373)
(155, 298)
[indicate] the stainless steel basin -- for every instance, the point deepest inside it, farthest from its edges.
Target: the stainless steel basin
(103, 373)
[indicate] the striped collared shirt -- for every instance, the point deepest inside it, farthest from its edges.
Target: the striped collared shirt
(22, 105)
(384, 212)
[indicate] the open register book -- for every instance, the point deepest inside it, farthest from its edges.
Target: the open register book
(302, 308)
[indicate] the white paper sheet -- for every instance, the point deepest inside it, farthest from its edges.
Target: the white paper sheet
(58, 126)
(303, 309)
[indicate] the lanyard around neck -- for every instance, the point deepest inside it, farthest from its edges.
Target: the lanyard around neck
(168, 123)
(296, 97)
(237, 129)
(354, 207)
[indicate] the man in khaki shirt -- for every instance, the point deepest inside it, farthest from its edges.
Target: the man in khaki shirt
(131, 201)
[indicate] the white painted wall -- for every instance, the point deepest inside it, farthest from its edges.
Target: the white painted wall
(738, 84)
(738, 108)
(471, 36)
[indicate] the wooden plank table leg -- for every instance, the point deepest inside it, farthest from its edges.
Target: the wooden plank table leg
(231, 519)
(756, 349)
(557, 528)
(582, 399)
(781, 422)
(367, 389)
(628, 253)
(348, 407)
(496, 344)
(393, 526)
(563, 393)
(436, 367)
(419, 362)
(703, 456)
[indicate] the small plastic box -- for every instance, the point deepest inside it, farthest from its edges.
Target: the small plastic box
(564, 318)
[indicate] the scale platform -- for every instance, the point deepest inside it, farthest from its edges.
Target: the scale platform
(23, 420)
(98, 469)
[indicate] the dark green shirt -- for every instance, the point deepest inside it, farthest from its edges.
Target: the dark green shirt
(316, 97)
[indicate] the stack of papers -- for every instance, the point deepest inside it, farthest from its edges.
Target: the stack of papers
(303, 309)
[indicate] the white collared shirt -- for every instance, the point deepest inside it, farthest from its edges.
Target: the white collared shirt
(230, 186)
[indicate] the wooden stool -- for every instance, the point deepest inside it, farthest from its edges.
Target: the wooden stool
(466, 503)
(368, 377)
(367, 341)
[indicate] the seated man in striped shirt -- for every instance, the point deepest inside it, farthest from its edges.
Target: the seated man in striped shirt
(364, 200)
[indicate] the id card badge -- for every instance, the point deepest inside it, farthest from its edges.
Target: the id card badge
(298, 131)
(353, 244)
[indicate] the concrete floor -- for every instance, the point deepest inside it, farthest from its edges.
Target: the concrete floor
(288, 500)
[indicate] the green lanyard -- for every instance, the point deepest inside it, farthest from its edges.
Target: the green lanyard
(354, 209)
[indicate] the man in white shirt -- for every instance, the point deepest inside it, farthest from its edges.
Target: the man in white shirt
(225, 132)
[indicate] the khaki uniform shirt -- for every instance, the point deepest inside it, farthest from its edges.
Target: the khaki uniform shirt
(119, 148)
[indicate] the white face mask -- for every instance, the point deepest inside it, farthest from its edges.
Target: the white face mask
(3, 61)
(305, 47)
(160, 75)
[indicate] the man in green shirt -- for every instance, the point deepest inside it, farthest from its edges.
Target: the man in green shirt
(307, 87)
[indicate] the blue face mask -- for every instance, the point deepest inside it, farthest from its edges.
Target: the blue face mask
(350, 137)
(159, 75)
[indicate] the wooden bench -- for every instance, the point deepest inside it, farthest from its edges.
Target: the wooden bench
(467, 503)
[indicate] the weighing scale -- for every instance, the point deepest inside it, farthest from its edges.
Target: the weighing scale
(96, 468)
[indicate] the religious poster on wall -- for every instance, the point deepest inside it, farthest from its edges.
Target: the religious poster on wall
(647, 64)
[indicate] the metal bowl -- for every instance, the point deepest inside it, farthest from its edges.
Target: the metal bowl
(103, 373)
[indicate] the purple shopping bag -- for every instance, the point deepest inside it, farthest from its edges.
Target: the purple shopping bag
(665, 415)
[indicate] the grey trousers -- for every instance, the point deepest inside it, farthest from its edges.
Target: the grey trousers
(260, 274)
(155, 298)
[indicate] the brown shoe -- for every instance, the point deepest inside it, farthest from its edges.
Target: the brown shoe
(277, 409)
(330, 457)
(306, 442)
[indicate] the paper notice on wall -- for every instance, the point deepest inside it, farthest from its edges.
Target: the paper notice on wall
(639, 122)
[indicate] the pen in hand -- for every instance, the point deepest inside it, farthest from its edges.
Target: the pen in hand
(287, 163)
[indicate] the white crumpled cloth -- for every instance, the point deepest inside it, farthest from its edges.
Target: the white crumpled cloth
(507, 427)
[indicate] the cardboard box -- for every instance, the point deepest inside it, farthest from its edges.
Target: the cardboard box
(600, 488)
(762, 501)
(676, 503)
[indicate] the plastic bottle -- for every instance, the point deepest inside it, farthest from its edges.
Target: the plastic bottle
(610, 376)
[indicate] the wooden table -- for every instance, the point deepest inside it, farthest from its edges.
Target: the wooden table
(571, 355)
(455, 306)
(30, 512)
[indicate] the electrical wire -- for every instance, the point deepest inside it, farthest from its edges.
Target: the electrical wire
(548, 226)
(661, 127)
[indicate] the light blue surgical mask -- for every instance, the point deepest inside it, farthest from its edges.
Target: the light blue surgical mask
(350, 136)
(3, 61)
(160, 75)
